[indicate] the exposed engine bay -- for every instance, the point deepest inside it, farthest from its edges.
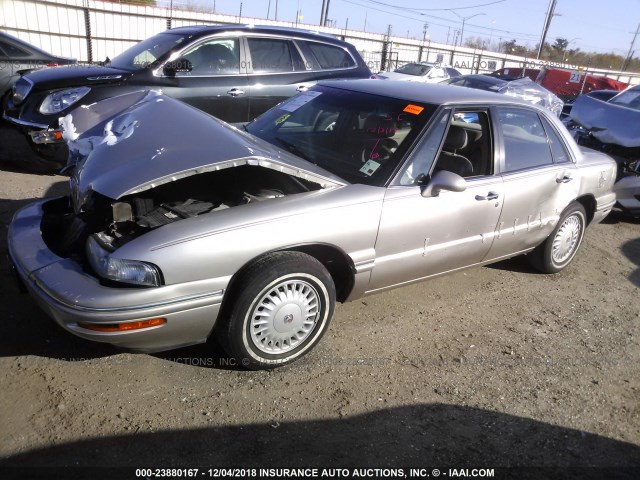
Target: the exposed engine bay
(116, 222)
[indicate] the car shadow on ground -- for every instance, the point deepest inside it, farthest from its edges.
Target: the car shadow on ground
(631, 249)
(618, 217)
(519, 264)
(424, 435)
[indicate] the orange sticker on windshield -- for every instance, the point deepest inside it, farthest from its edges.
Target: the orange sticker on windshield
(415, 109)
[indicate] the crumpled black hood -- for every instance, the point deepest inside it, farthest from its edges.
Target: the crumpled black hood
(608, 122)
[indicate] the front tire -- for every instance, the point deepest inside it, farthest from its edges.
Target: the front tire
(557, 251)
(282, 307)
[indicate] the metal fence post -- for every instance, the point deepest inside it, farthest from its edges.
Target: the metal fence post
(383, 56)
(87, 29)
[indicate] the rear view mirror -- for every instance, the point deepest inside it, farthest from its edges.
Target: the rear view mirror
(444, 180)
(180, 65)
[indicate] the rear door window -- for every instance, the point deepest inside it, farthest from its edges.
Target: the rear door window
(525, 141)
(324, 56)
(558, 149)
(12, 51)
(273, 55)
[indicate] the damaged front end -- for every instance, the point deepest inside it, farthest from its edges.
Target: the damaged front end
(141, 161)
(613, 127)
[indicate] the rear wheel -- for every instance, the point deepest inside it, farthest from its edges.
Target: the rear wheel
(283, 306)
(557, 251)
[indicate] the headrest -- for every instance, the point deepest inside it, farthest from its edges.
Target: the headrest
(380, 126)
(456, 138)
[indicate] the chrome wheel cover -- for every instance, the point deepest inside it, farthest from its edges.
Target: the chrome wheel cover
(566, 240)
(284, 316)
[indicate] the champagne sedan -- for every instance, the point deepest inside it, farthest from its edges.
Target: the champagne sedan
(180, 226)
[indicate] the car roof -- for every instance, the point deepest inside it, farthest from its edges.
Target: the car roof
(299, 32)
(484, 78)
(433, 93)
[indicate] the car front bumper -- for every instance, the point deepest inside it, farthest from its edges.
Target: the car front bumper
(73, 297)
(31, 145)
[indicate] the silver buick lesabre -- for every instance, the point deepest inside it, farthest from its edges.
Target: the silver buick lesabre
(180, 226)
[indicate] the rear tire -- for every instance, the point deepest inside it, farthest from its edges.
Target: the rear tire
(281, 308)
(557, 251)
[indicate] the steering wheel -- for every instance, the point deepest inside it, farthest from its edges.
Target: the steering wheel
(380, 151)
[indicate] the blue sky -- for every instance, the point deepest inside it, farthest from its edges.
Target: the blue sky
(590, 25)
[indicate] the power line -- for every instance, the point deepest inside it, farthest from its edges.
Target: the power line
(514, 35)
(436, 9)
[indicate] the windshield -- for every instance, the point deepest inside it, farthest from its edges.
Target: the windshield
(629, 98)
(143, 54)
(416, 69)
(356, 136)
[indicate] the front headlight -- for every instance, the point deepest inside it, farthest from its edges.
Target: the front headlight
(57, 101)
(119, 270)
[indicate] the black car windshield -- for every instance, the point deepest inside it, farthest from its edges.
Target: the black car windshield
(143, 54)
(417, 69)
(359, 137)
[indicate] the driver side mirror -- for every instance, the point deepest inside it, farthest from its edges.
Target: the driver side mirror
(443, 180)
(180, 65)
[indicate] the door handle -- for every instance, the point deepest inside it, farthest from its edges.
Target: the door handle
(488, 196)
(302, 88)
(565, 179)
(234, 92)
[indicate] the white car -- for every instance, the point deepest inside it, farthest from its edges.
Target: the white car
(425, 72)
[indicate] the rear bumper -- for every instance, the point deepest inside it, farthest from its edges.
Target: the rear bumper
(72, 297)
(604, 207)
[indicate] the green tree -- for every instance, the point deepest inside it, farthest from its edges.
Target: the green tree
(560, 45)
(513, 48)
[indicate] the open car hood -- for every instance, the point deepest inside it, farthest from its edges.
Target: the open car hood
(608, 122)
(137, 141)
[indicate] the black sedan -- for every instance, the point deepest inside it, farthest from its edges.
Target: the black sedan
(234, 72)
(18, 57)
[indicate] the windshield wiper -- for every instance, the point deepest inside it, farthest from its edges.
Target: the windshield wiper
(293, 148)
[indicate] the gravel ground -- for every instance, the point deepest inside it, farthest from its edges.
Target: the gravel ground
(493, 367)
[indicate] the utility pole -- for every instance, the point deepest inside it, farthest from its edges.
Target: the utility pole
(324, 5)
(448, 32)
(545, 29)
(424, 39)
(627, 60)
(386, 50)
(268, 9)
(326, 13)
(365, 20)
(276, 17)
(240, 18)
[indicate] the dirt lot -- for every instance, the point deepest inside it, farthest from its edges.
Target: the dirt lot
(492, 367)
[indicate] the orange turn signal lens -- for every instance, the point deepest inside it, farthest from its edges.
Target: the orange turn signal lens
(123, 327)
